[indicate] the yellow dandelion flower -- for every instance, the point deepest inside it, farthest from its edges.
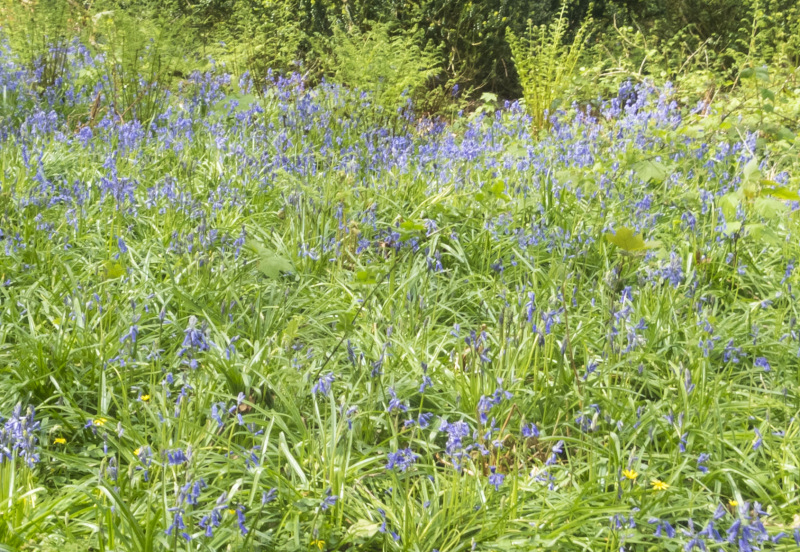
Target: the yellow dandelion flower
(231, 512)
(137, 451)
(60, 441)
(630, 474)
(659, 485)
(733, 503)
(100, 422)
(145, 398)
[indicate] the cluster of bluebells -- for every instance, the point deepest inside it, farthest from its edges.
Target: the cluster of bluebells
(19, 436)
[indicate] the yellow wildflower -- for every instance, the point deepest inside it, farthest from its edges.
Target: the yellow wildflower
(318, 543)
(630, 474)
(145, 398)
(60, 441)
(137, 451)
(733, 503)
(99, 421)
(659, 485)
(231, 512)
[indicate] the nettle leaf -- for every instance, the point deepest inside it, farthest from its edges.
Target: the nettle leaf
(270, 264)
(650, 171)
(626, 240)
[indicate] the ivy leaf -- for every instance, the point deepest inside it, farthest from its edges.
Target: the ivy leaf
(626, 240)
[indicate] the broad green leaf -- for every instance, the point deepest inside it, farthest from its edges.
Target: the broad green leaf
(650, 171)
(499, 190)
(784, 133)
(113, 269)
(751, 169)
(625, 239)
(730, 204)
(769, 207)
(763, 233)
(733, 227)
(412, 226)
(363, 529)
(779, 192)
(270, 264)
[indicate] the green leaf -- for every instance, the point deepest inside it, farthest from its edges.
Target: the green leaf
(625, 239)
(412, 226)
(363, 529)
(113, 270)
(751, 169)
(763, 233)
(784, 133)
(650, 171)
(730, 204)
(769, 208)
(733, 227)
(768, 94)
(284, 446)
(270, 264)
(779, 192)
(499, 190)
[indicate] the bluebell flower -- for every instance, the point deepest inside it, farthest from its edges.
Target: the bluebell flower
(177, 457)
(701, 460)
(268, 496)
(240, 519)
(496, 479)
(758, 440)
(761, 362)
(323, 385)
(394, 402)
(402, 459)
(329, 500)
(530, 431)
(662, 525)
(194, 338)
